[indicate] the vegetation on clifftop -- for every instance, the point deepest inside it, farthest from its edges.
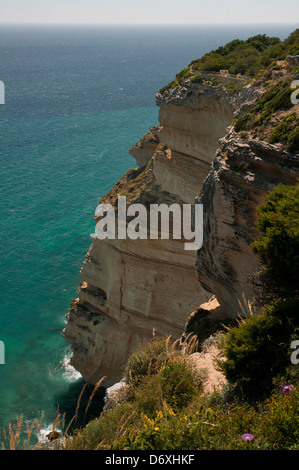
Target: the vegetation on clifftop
(272, 117)
(164, 409)
(238, 56)
(245, 57)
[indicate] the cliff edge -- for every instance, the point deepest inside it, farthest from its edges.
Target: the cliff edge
(131, 288)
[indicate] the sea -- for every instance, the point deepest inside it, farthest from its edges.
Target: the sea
(76, 99)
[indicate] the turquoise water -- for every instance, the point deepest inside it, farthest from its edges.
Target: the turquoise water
(76, 100)
(56, 173)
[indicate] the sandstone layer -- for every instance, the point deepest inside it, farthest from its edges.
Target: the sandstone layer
(242, 174)
(131, 287)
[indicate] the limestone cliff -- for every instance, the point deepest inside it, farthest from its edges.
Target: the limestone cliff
(246, 167)
(131, 287)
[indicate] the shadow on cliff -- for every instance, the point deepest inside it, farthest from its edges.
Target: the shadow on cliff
(76, 398)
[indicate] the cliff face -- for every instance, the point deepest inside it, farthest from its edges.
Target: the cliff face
(246, 167)
(241, 176)
(131, 287)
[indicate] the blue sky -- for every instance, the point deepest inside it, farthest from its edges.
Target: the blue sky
(148, 11)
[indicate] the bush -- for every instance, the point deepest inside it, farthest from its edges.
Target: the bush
(183, 74)
(258, 350)
(176, 384)
(147, 359)
(280, 426)
(274, 425)
(147, 421)
(197, 79)
(168, 87)
(278, 246)
(248, 56)
(288, 132)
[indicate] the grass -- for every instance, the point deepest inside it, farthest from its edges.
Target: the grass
(278, 97)
(147, 416)
(287, 131)
(166, 409)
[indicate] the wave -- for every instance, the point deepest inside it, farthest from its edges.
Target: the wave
(69, 372)
(64, 369)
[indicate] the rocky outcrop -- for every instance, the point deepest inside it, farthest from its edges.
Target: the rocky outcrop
(131, 287)
(206, 320)
(293, 60)
(241, 176)
(145, 148)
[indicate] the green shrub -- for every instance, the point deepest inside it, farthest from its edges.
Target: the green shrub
(293, 140)
(170, 86)
(274, 425)
(278, 97)
(183, 74)
(288, 132)
(147, 359)
(248, 56)
(241, 123)
(280, 425)
(197, 79)
(278, 245)
(258, 349)
(175, 383)
(180, 382)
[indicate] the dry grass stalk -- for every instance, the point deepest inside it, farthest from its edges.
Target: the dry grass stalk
(14, 440)
(79, 401)
(175, 345)
(121, 424)
(69, 425)
(131, 382)
(29, 433)
(18, 431)
(11, 442)
(63, 420)
(192, 345)
(93, 394)
(186, 342)
(167, 342)
(56, 421)
(245, 307)
(119, 432)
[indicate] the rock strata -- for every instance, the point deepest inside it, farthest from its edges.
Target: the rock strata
(131, 287)
(242, 175)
